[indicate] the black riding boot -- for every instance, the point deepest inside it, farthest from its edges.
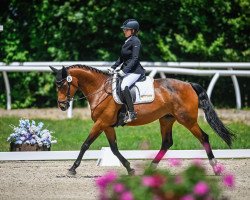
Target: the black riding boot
(131, 115)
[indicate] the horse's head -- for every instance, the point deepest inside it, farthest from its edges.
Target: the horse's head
(66, 85)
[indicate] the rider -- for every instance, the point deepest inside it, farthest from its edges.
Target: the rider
(131, 69)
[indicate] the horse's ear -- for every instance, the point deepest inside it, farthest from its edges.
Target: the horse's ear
(54, 70)
(64, 72)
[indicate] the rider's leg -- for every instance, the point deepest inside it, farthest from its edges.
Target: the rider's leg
(127, 81)
(131, 115)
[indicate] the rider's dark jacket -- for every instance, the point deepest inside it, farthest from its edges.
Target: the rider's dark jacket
(129, 57)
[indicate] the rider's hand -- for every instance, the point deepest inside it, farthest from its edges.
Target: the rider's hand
(121, 73)
(111, 70)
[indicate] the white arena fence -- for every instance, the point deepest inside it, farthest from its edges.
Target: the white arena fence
(213, 69)
(105, 157)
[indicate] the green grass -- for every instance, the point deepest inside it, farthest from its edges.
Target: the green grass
(71, 133)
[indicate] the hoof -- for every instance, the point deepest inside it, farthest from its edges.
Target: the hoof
(71, 172)
(218, 169)
(131, 172)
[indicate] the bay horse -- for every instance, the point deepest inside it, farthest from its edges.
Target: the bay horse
(175, 100)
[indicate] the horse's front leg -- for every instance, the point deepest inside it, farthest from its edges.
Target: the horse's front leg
(111, 136)
(94, 133)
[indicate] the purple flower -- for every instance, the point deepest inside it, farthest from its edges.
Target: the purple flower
(187, 197)
(152, 181)
(119, 188)
(127, 196)
(174, 162)
(201, 188)
(103, 181)
(22, 138)
(229, 180)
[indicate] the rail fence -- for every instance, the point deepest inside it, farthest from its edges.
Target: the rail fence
(215, 70)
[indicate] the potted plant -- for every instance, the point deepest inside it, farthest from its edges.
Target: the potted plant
(192, 183)
(30, 137)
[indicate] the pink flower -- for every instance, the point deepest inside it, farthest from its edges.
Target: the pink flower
(229, 180)
(127, 196)
(197, 162)
(219, 168)
(187, 197)
(152, 181)
(119, 188)
(103, 181)
(201, 188)
(174, 162)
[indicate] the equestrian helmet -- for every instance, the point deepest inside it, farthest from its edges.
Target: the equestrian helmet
(131, 24)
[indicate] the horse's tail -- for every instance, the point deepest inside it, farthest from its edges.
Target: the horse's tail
(213, 120)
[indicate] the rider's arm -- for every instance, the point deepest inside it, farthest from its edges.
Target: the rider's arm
(117, 63)
(135, 56)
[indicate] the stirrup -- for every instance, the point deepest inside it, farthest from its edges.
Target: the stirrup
(130, 117)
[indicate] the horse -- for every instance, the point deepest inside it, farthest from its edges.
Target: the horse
(175, 101)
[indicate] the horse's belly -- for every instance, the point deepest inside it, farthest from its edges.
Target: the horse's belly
(147, 114)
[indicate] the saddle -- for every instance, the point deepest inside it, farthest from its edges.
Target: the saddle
(142, 91)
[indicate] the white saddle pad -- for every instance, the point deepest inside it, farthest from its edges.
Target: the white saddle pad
(144, 91)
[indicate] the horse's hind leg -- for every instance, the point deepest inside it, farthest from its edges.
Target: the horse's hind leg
(166, 124)
(204, 139)
(111, 136)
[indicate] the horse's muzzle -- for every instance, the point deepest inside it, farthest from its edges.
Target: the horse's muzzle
(63, 105)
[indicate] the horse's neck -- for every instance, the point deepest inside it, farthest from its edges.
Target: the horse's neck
(91, 84)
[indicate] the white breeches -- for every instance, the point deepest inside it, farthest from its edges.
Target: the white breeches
(129, 80)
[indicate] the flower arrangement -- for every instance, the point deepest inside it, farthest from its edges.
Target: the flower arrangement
(30, 133)
(190, 184)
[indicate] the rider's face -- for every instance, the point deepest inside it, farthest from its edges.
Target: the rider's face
(127, 32)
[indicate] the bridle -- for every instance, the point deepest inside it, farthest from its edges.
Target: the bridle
(69, 79)
(59, 84)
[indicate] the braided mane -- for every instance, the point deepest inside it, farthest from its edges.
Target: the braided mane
(88, 68)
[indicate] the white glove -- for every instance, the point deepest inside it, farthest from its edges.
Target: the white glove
(121, 73)
(111, 70)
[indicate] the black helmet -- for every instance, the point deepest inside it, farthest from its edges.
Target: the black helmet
(130, 24)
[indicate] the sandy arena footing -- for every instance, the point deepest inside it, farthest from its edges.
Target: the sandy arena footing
(49, 180)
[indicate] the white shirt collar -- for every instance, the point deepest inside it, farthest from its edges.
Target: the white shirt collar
(128, 39)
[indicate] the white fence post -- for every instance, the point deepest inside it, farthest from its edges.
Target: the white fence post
(212, 84)
(7, 87)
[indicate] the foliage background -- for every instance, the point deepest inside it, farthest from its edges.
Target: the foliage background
(89, 30)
